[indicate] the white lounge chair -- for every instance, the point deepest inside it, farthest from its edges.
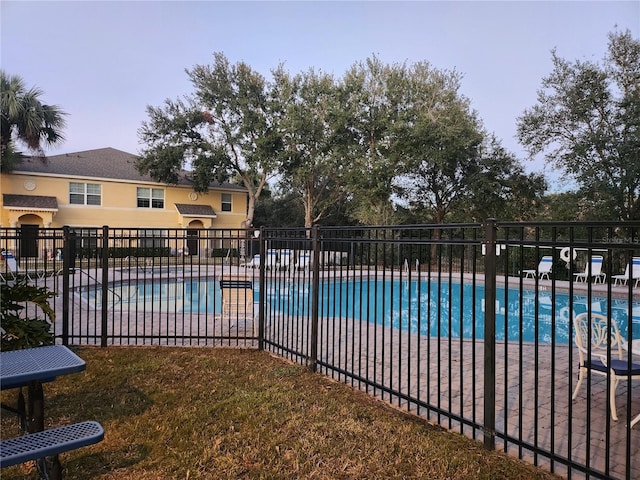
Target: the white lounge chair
(13, 271)
(237, 302)
(285, 259)
(304, 261)
(592, 270)
(544, 268)
(253, 263)
(635, 273)
(603, 338)
(271, 260)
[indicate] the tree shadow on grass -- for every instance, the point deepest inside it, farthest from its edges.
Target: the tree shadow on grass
(96, 464)
(116, 403)
(76, 465)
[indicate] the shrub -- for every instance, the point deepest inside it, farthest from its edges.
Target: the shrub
(21, 325)
(222, 252)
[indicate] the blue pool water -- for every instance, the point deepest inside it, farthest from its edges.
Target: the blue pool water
(427, 307)
(451, 309)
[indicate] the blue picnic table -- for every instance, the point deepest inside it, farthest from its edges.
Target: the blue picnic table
(31, 368)
(43, 364)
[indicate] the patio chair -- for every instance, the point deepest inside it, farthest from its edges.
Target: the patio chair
(14, 271)
(285, 259)
(304, 261)
(253, 263)
(271, 260)
(237, 301)
(595, 329)
(544, 268)
(634, 275)
(592, 270)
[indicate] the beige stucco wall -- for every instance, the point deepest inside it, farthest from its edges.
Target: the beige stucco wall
(119, 204)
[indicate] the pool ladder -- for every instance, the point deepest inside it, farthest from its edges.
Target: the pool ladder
(98, 284)
(406, 265)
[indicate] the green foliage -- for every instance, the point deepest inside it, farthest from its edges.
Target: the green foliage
(224, 252)
(444, 157)
(175, 136)
(123, 252)
(311, 168)
(587, 122)
(349, 148)
(282, 211)
(573, 206)
(26, 317)
(371, 127)
(10, 157)
(448, 167)
(497, 187)
(25, 119)
(227, 127)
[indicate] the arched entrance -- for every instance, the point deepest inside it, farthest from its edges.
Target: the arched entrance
(29, 225)
(192, 236)
(31, 219)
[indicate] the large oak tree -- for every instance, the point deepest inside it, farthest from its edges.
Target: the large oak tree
(367, 133)
(312, 167)
(587, 123)
(227, 128)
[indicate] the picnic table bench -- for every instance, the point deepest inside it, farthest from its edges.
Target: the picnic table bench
(46, 443)
(30, 368)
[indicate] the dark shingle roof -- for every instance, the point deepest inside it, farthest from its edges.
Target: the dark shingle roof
(191, 210)
(37, 202)
(100, 163)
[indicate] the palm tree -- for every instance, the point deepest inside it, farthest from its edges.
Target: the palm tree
(33, 123)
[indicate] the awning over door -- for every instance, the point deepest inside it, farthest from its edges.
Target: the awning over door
(188, 212)
(19, 205)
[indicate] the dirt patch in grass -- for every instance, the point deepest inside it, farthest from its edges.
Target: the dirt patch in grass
(204, 413)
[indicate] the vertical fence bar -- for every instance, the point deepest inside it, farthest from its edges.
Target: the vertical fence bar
(263, 289)
(315, 294)
(104, 285)
(66, 260)
(490, 334)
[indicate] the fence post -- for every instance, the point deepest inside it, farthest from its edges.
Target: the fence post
(66, 261)
(489, 245)
(105, 284)
(263, 289)
(315, 296)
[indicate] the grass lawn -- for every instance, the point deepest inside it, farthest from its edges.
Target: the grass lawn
(213, 413)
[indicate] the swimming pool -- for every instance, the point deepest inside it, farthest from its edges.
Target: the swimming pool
(443, 309)
(428, 307)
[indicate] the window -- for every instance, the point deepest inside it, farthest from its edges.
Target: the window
(226, 202)
(85, 193)
(152, 238)
(85, 238)
(150, 197)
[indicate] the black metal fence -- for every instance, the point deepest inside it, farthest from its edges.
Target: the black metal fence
(454, 323)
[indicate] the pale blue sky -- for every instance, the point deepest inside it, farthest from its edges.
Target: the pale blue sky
(104, 62)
